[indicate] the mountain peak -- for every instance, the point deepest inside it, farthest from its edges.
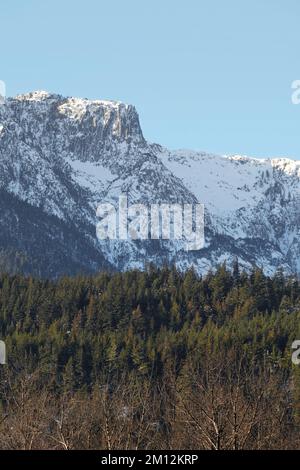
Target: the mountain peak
(99, 120)
(38, 95)
(42, 95)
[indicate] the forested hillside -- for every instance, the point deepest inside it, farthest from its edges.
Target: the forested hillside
(155, 359)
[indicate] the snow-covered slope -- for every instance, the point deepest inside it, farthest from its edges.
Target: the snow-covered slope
(63, 156)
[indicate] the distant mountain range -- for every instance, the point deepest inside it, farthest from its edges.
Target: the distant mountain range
(60, 157)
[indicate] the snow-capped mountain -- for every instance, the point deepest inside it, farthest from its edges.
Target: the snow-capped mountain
(61, 157)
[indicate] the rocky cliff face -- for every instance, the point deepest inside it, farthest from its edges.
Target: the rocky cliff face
(60, 157)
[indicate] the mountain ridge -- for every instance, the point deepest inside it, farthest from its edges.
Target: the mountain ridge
(66, 155)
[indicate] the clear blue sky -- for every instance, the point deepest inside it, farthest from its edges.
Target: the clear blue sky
(211, 75)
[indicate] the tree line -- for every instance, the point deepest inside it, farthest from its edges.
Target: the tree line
(155, 360)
